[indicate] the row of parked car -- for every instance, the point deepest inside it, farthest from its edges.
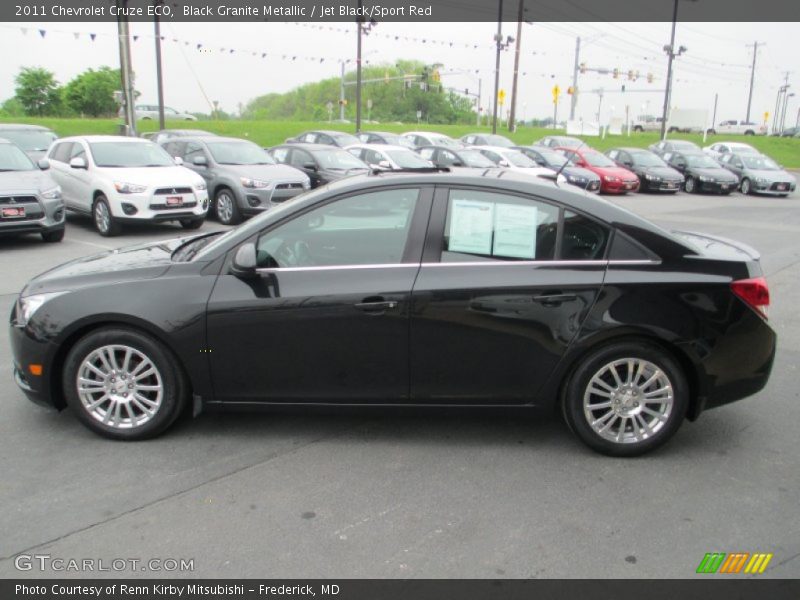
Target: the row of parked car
(183, 175)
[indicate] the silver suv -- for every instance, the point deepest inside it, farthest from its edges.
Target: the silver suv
(149, 112)
(243, 180)
(30, 201)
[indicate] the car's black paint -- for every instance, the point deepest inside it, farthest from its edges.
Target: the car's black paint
(470, 334)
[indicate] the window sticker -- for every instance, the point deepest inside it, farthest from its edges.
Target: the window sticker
(515, 231)
(471, 226)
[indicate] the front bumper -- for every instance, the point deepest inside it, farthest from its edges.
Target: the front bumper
(774, 188)
(674, 185)
(41, 216)
(26, 351)
(256, 200)
(158, 206)
(715, 187)
(619, 187)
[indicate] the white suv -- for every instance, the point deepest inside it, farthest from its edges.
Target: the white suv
(117, 179)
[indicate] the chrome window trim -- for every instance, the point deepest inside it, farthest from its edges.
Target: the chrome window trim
(503, 263)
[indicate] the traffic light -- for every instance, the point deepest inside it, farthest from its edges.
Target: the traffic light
(616, 73)
(583, 68)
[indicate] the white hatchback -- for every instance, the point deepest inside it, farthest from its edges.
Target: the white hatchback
(117, 179)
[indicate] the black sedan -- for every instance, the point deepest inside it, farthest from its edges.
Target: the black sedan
(702, 173)
(654, 174)
(481, 288)
(665, 146)
(552, 159)
(322, 164)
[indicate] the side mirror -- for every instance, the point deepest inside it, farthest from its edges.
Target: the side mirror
(628, 163)
(200, 161)
(43, 164)
(310, 166)
(78, 163)
(178, 160)
(244, 261)
(384, 164)
(504, 163)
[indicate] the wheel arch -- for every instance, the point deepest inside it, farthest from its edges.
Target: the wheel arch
(72, 337)
(691, 370)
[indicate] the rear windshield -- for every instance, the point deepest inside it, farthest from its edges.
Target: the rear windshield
(29, 140)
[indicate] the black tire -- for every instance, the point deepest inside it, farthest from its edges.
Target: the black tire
(749, 132)
(689, 185)
(51, 237)
(593, 365)
(746, 187)
(712, 132)
(192, 223)
(173, 382)
(638, 128)
(106, 227)
(226, 208)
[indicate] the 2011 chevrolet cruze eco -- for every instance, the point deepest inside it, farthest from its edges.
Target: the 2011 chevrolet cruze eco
(482, 288)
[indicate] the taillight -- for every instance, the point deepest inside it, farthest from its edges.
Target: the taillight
(754, 292)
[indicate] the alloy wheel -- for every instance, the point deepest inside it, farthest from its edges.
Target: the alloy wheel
(628, 400)
(120, 386)
(102, 217)
(224, 207)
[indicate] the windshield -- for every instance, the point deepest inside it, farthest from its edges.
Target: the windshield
(443, 140)
(473, 158)
(338, 160)
(14, 159)
(29, 140)
(499, 140)
(598, 160)
(743, 149)
(345, 139)
(679, 145)
(554, 159)
(407, 159)
(701, 161)
(398, 140)
(518, 159)
(239, 153)
(760, 163)
(646, 159)
(129, 155)
(566, 142)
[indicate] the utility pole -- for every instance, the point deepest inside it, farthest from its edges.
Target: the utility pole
(752, 78)
(358, 71)
(126, 72)
(776, 117)
(670, 50)
(341, 96)
(512, 115)
(499, 42)
(786, 97)
(159, 75)
(479, 102)
(714, 118)
(573, 102)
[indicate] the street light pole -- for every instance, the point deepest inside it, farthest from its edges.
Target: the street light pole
(573, 101)
(159, 75)
(783, 112)
(358, 72)
(670, 56)
(126, 72)
(512, 125)
(499, 44)
(752, 79)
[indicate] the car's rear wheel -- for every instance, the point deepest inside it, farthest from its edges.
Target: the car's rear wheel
(104, 221)
(689, 186)
(123, 384)
(626, 399)
(52, 237)
(226, 208)
(746, 187)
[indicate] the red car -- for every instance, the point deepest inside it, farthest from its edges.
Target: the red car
(613, 179)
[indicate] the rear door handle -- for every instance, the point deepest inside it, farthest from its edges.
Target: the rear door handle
(376, 305)
(554, 299)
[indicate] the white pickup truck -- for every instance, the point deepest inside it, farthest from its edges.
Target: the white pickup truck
(739, 128)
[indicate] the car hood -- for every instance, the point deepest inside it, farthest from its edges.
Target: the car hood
(717, 173)
(663, 172)
(153, 176)
(581, 172)
(266, 172)
(131, 263)
(27, 182)
(615, 172)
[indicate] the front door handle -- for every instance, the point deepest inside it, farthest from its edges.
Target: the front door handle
(554, 299)
(376, 305)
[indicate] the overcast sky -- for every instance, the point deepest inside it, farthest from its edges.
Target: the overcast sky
(717, 60)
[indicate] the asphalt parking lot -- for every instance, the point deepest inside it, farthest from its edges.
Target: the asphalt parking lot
(415, 495)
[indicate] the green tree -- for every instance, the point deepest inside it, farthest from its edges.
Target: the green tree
(37, 91)
(12, 108)
(92, 92)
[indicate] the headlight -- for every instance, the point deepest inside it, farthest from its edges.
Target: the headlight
(610, 178)
(201, 186)
(576, 179)
(51, 194)
(28, 305)
(706, 179)
(760, 180)
(255, 183)
(652, 177)
(129, 188)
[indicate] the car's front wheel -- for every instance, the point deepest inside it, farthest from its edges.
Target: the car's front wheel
(192, 223)
(104, 221)
(626, 399)
(226, 208)
(689, 185)
(746, 187)
(51, 237)
(123, 384)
